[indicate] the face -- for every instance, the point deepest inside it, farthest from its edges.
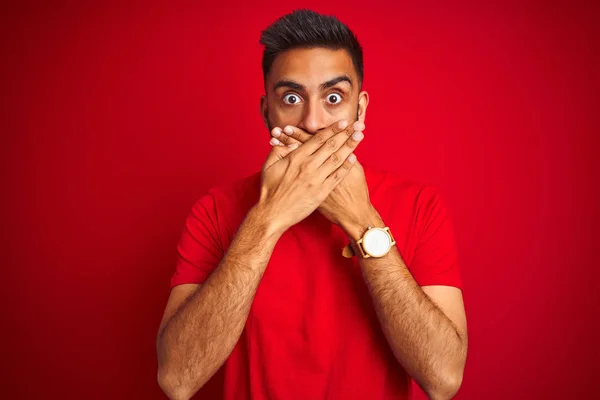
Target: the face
(311, 89)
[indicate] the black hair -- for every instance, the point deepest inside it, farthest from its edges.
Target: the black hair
(308, 29)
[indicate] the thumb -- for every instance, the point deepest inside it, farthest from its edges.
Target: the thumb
(278, 153)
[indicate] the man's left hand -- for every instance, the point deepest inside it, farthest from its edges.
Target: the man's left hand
(348, 205)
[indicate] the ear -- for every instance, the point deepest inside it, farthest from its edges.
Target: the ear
(363, 102)
(264, 111)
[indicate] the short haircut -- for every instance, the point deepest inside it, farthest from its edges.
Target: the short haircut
(308, 29)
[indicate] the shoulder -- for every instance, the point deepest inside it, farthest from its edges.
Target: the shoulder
(394, 187)
(237, 188)
(228, 201)
(403, 197)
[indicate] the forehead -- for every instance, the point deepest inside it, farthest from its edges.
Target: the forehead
(311, 67)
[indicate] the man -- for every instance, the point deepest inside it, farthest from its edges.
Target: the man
(261, 285)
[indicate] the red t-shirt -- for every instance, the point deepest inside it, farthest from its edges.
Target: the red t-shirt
(312, 331)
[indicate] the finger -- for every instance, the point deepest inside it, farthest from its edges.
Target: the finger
(296, 133)
(359, 166)
(348, 139)
(338, 174)
(278, 153)
(334, 161)
(320, 138)
(282, 138)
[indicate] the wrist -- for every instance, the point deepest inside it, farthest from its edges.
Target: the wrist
(356, 227)
(266, 225)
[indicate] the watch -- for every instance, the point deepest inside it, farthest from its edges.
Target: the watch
(376, 242)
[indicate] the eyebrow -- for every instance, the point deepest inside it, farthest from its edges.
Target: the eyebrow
(326, 85)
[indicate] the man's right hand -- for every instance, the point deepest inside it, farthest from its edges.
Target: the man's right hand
(296, 180)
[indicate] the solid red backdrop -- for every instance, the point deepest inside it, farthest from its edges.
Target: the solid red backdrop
(118, 117)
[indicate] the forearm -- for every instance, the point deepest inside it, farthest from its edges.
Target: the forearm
(422, 338)
(203, 332)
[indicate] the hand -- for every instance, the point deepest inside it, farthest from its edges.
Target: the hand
(296, 180)
(348, 202)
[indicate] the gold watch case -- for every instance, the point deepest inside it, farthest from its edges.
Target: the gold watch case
(364, 252)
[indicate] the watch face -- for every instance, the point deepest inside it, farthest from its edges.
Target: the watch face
(376, 242)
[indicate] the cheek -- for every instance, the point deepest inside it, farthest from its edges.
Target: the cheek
(282, 116)
(343, 111)
(344, 108)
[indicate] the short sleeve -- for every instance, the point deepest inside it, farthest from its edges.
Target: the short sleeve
(199, 250)
(435, 260)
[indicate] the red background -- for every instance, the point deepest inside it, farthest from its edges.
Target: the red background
(117, 118)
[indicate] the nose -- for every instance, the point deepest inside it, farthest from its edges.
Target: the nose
(314, 118)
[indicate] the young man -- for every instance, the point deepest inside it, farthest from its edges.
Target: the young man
(261, 284)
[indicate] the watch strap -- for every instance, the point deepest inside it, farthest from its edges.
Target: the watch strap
(348, 251)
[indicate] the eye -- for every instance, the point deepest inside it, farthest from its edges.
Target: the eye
(291, 98)
(334, 98)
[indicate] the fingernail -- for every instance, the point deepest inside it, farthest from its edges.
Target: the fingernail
(358, 126)
(274, 142)
(343, 124)
(357, 136)
(293, 146)
(276, 132)
(288, 130)
(352, 158)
